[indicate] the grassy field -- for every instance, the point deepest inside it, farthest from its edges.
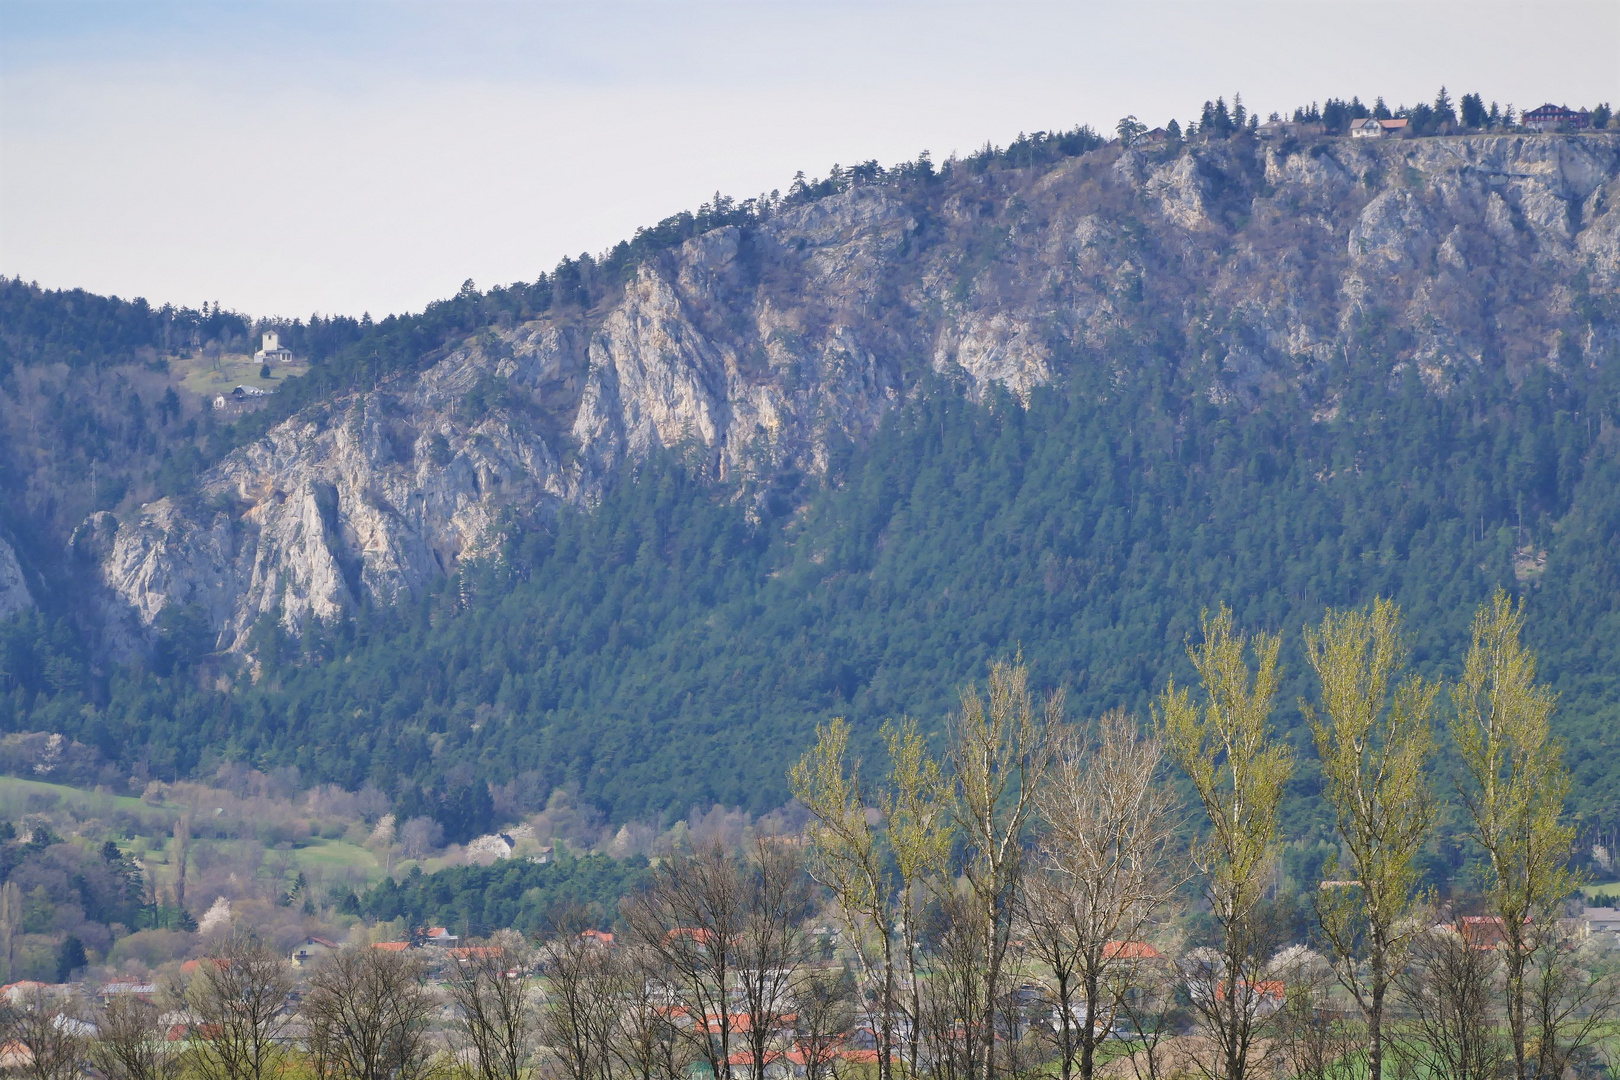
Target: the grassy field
(19, 797)
(208, 378)
(338, 855)
(1610, 889)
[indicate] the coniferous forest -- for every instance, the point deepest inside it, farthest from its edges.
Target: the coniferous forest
(678, 643)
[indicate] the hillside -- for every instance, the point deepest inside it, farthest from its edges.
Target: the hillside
(832, 454)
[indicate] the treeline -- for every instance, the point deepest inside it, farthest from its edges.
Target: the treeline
(84, 330)
(1444, 116)
(513, 893)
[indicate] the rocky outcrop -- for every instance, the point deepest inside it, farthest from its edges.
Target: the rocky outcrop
(1252, 263)
(14, 594)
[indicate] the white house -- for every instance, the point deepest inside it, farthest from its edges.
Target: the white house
(272, 350)
(1366, 128)
(311, 949)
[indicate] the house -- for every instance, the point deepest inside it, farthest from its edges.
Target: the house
(438, 935)
(311, 949)
(1290, 127)
(1395, 126)
(391, 946)
(1366, 128)
(272, 352)
(18, 992)
(140, 988)
(1602, 920)
(599, 937)
(465, 953)
(1131, 950)
(1481, 931)
(1552, 117)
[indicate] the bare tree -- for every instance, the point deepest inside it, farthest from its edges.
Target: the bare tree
(1317, 1040)
(1151, 1006)
(953, 997)
(771, 947)
(369, 1012)
(1045, 920)
(847, 858)
(998, 753)
(132, 1043)
(54, 1031)
(1238, 768)
(11, 915)
(1108, 832)
(1571, 1005)
(825, 1002)
(495, 1006)
(420, 835)
(647, 1044)
(239, 1001)
(580, 1012)
(180, 852)
(691, 918)
(1447, 993)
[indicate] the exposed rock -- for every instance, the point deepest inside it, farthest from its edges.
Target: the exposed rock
(759, 350)
(14, 594)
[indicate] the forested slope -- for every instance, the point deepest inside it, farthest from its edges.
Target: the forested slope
(829, 455)
(665, 649)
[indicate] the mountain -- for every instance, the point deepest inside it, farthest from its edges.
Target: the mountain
(764, 348)
(832, 453)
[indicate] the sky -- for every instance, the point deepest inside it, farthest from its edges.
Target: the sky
(285, 157)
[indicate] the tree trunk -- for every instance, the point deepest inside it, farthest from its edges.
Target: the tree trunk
(1088, 1036)
(992, 976)
(1375, 1021)
(1066, 1031)
(1515, 1002)
(886, 1035)
(1228, 1015)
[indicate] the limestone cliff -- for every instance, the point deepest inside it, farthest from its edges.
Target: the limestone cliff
(14, 594)
(761, 349)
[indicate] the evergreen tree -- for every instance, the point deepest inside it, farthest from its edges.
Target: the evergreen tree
(1443, 111)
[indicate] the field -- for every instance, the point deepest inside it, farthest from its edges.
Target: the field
(331, 857)
(19, 798)
(208, 378)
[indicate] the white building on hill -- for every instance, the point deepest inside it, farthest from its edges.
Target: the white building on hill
(272, 351)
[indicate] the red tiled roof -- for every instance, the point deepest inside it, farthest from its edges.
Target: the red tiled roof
(1131, 950)
(391, 946)
(469, 952)
(1271, 988)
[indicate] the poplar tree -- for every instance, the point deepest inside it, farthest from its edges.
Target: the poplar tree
(848, 858)
(1226, 747)
(1375, 744)
(999, 755)
(1515, 787)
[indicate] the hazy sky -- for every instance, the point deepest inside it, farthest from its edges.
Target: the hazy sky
(289, 157)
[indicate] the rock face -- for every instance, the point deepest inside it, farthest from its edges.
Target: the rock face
(761, 349)
(14, 594)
